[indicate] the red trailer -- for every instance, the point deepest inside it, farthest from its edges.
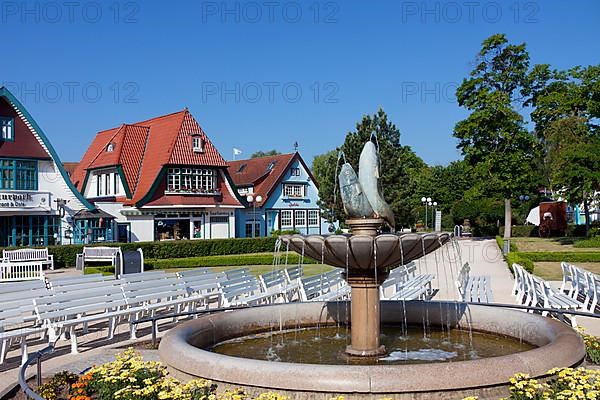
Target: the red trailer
(553, 218)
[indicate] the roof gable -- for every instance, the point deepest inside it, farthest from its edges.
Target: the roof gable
(25, 144)
(24, 116)
(264, 173)
(143, 150)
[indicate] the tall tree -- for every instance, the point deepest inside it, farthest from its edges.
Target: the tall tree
(400, 168)
(261, 153)
(493, 138)
(566, 113)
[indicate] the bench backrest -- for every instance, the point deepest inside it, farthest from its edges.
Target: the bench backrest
(21, 286)
(144, 276)
(237, 273)
(101, 252)
(195, 272)
(78, 280)
(293, 273)
(25, 255)
(273, 279)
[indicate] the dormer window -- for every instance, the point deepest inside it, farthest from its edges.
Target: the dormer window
(7, 129)
(295, 172)
(110, 148)
(271, 165)
(197, 144)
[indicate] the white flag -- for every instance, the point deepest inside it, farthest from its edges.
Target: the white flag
(236, 152)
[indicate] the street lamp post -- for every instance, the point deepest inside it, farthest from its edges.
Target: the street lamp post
(254, 200)
(433, 209)
(427, 201)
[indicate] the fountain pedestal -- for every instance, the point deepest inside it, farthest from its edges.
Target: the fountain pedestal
(365, 318)
(365, 315)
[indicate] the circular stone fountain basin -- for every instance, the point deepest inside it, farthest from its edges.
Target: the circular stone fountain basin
(556, 345)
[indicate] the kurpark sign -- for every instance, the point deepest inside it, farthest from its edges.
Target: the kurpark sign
(27, 201)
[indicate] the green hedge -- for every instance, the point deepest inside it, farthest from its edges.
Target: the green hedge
(562, 256)
(515, 257)
(532, 231)
(588, 243)
(65, 255)
(522, 231)
(222, 261)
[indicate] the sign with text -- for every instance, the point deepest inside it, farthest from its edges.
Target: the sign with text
(438, 221)
(24, 201)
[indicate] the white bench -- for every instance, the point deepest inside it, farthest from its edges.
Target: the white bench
(473, 288)
(98, 254)
(28, 255)
(324, 287)
(15, 326)
(533, 291)
(404, 283)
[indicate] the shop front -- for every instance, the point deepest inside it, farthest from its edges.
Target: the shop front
(193, 225)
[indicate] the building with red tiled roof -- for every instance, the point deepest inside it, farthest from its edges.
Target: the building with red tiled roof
(162, 179)
(39, 206)
(287, 195)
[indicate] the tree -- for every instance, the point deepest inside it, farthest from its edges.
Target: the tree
(566, 113)
(261, 153)
(493, 138)
(400, 169)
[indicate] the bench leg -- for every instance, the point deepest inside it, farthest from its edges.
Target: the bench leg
(3, 350)
(24, 353)
(73, 336)
(111, 328)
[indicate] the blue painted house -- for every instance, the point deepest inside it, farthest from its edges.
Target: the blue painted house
(282, 194)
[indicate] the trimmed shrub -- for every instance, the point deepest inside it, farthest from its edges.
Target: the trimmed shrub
(588, 243)
(567, 256)
(522, 231)
(517, 258)
(65, 255)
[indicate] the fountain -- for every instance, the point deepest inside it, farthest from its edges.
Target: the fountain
(229, 348)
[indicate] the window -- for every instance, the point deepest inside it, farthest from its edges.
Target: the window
(7, 129)
(107, 184)
(249, 232)
(271, 165)
(246, 190)
(110, 148)
(293, 190)
(18, 174)
(197, 144)
(99, 185)
(295, 172)
(241, 169)
(116, 182)
(300, 218)
(313, 217)
(192, 180)
(286, 218)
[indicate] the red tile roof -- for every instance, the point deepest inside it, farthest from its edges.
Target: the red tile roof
(144, 148)
(258, 172)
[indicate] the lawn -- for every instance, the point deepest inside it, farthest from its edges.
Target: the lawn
(530, 244)
(551, 271)
(309, 269)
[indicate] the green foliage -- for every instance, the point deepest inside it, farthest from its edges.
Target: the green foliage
(568, 256)
(222, 261)
(522, 231)
(58, 386)
(518, 258)
(592, 346)
(588, 243)
(65, 255)
(277, 233)
(493, 138)
(261, 153)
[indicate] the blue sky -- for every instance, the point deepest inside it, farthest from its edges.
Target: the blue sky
(262, 75)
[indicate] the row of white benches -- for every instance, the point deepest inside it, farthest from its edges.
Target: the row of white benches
(58, 307)
(581, 285)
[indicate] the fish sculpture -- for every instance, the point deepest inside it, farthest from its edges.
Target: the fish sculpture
(368, 177)
(356, 204)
